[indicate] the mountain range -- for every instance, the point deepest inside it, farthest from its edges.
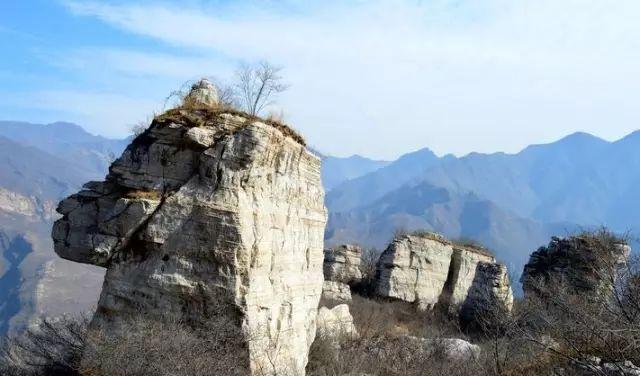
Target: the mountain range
(511, 203)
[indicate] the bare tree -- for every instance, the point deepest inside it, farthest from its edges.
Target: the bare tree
(258, 85)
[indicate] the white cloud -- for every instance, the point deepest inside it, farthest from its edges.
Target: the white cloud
(381, 78)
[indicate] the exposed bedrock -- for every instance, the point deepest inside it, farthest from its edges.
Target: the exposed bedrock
(584, 263)
(429, 270)
(208, 213)
(341, 270)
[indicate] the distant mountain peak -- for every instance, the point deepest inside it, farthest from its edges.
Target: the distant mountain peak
(580, 137)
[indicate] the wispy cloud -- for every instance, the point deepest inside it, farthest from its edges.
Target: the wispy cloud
(391, 76)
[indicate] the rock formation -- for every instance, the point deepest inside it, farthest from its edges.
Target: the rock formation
(335, 324)
(208, 212)
(341, 269)
(336, 291)
(427, 269)
(342, 264)
(583, 263)
(451, 349)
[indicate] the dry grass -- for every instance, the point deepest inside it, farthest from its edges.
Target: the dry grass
(197, 115)
(463, 243)
(153, 195)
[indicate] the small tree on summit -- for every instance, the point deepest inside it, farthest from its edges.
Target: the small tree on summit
(258, 85)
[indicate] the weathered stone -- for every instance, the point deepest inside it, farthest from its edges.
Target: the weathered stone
(202, 93)
(427, 270)
(414, 269)
(189, 222)
(342, 264)
(336, 324)
(490, 293)
(449, 349)
(336, 291)
(583, 263)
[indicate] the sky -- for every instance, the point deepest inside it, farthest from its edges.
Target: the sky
(375, 78)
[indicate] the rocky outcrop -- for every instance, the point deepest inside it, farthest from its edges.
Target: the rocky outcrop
(336, 291)
(451, 349)
(342, 264)
(341, 270)
(583, 263)
(427, 269)
(489, 296)
(336, 324)
(208, 213)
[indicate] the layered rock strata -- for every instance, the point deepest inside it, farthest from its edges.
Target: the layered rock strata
(429, 270)
(336, 324)
(584, 263)
(341, 270)
(342, 264)
(208, 213)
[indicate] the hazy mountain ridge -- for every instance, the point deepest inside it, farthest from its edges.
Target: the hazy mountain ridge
(510, 202)
(66, 140)
(338, 170)
(39, 165)
(369, 187)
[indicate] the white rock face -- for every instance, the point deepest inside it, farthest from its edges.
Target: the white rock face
(428, 270)
(203, 93)
(342, 264)
(336, 291)
(336, 324)
(451, 349)
(206, 214)
(414, 269)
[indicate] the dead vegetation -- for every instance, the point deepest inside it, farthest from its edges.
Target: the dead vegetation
(153, 195)
(141, 347)
(466, 244)
(254, 89)
(557, 331)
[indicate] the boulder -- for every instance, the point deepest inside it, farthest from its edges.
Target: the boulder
(429, 270)
(342, 264)
(336, 291)
(410, 347)
(414, 269)
(202, 94)
(335, 324)
(208, 213)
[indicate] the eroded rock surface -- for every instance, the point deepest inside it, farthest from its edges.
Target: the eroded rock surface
(208, 213)
(336, 324)
(342, 264)
(427, 270)
(584, 263)
(341, 270)
(336, 291)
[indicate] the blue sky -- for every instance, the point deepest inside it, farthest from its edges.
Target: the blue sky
(377, 78)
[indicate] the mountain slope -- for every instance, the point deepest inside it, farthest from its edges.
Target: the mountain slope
(33, 280)
(426, 207)
(66, 140)
(370, 187)
(580, 179)
(336, 171)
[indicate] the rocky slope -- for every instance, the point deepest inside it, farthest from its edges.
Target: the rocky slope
(206, 210)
